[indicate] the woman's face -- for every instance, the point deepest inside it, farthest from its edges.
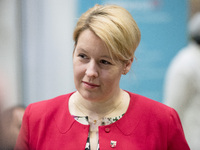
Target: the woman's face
(96, 75)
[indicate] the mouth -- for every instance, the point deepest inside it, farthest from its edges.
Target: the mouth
(90, 85)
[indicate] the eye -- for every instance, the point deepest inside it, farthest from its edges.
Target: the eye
(82, 56)
(105, 62)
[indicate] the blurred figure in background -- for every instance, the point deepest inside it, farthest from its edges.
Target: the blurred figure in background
(11, 120)
(2, 93)
(182, 85)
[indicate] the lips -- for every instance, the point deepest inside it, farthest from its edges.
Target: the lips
(90, 85)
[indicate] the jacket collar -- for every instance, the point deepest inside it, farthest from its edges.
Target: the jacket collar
(63, 118)
(127, 124)
(133, 116)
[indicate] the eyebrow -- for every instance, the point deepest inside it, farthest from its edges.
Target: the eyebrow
(103, 56)
(80, 49)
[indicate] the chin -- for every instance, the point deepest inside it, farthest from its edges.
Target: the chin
(91, 96)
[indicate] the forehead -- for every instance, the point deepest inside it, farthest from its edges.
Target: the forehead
(89, 42)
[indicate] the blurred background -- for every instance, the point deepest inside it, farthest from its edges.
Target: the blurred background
(36, 46)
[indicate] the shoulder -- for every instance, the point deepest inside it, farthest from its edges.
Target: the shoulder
(47, 107)
(144, 113)
(151, 113)
(146, 102)
(148, 118)
(149, 107)
(56, 101)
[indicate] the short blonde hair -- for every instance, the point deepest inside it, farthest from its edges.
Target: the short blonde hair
(115, 26)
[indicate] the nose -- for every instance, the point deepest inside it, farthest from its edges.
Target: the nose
(92, 69)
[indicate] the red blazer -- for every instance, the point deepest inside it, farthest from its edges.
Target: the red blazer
(147, 125)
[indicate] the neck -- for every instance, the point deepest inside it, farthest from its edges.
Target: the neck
(99, 109)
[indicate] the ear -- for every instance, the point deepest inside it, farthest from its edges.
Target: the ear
(127, 66)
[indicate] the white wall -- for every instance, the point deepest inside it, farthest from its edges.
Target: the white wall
(47, 48)
(10, 69)
(35, 49)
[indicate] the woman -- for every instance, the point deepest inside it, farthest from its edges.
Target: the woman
(100, 115)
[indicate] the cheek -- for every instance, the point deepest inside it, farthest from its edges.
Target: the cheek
(78, 70)
(112, 77)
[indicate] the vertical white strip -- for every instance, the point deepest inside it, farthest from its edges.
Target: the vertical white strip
(48, 46)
